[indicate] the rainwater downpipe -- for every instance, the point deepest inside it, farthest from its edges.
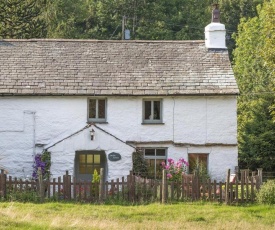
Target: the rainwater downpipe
(34, 129)
(174, 120)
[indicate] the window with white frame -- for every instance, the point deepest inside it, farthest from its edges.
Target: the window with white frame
(154, 157)
(97, 109)
(152, 111)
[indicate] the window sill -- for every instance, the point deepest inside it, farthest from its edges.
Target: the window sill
(153, 123)
(97, 122)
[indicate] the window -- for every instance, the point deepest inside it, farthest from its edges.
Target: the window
(152, 111)
(97, 110)
(197, 161)
(154, 158)
(86, 162)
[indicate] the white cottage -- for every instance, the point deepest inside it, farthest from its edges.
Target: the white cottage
(85, 100)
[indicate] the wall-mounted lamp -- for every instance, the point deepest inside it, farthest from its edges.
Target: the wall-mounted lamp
(92, 132)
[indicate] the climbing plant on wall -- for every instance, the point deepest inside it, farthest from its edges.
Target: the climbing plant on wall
(140, 167)
(44, 162)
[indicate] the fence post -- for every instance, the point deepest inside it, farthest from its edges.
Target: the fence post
(67, 186)
(246, 172)
(41, 185)
(260, 174)
(227, 187)
(3, 184)
(101, 185)
(258, 185)
(164, 186)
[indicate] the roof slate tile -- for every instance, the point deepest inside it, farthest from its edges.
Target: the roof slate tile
(92, 67)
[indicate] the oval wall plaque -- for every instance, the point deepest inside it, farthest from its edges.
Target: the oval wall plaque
(114, 156)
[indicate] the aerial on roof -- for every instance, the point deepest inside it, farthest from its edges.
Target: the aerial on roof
(93, 67)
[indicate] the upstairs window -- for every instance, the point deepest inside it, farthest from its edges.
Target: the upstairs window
(97, 110)
(152, 111)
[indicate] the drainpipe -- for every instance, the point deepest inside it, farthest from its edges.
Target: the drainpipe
(34, 128)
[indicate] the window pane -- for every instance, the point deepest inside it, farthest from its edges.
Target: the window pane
(97, 167)
(161, 152)
(156, 110)
(97, 159)
(149, 152)
(82, 158)
(159, 168)
(151, 168)
(147, 108)
(197, 161)
(82, 168)
(92, 108)
(90, 158)
(101, 108)
(90, 169)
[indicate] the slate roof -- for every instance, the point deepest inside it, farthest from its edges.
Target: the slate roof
(93, 67)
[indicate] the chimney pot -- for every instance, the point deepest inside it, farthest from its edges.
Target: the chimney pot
(216, 13)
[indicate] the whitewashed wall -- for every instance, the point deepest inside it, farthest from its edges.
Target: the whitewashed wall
(41, 121)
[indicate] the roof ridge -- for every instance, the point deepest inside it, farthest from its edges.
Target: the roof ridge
(98, 41)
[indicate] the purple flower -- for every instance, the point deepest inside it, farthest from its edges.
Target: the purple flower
(38, 163)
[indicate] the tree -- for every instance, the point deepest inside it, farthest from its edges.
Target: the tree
(254, 70)
(147, 19)
(232, 11)
(65, 18)
(21, 19)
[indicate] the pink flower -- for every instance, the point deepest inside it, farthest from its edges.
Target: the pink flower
(169, 175)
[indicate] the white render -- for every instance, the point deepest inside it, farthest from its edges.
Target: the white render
(192, 124)
(215, 36)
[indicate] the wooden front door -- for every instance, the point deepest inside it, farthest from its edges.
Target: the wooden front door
(86, 162)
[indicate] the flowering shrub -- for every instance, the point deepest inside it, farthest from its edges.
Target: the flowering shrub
(44, 162)
(175, 170)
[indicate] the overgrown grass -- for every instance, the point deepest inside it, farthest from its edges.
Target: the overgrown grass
(15, 215)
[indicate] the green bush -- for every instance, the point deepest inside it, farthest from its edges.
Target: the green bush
(22, 196)
(140, 166)
(266, 195)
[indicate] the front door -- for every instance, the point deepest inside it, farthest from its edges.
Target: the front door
(86, 162)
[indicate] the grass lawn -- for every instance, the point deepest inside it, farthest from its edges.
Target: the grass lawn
(152, 216)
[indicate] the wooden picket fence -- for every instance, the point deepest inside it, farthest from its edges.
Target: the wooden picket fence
(136, 189)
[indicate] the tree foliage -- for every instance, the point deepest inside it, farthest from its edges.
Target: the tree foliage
(254, 70)
(21, 19)
(65, 18)
(232, 11)
(146, 19)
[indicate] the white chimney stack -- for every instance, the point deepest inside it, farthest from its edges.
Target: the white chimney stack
(215, 32)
